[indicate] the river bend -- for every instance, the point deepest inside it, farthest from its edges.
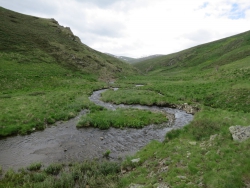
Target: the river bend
(63, 142)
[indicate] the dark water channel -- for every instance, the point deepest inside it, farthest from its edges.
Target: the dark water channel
(65, 143)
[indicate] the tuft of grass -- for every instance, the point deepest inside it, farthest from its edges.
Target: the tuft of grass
(1, 170)
(203, 128)
(173, 134)
(34, 167)
(38, 177)
(106, 154)
(54, 169)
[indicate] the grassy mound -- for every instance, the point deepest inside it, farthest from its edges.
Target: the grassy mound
(120, 118)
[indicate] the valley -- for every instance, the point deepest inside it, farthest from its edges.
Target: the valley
(56, 130)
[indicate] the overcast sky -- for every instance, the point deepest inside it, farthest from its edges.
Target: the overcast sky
(137, 28)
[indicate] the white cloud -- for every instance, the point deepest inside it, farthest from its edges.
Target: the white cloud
(142, 27)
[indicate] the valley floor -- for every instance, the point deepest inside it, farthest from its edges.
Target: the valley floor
(202, 154)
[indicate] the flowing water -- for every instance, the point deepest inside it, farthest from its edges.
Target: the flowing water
(65, 143)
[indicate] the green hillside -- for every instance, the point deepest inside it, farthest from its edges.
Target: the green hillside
(46, 73)
(202, 57)
(29, 39)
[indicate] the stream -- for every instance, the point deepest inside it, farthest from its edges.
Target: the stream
(63, 142)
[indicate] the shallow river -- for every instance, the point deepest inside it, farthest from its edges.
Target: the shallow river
(65, 143)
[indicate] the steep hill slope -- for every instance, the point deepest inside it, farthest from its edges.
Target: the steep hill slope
(30, 39)
(210, 55)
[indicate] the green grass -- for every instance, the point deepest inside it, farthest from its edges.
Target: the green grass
(34, 166)
(121, 118)
(134, 96)
(53, 169)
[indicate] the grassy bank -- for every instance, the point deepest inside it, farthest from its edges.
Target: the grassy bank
(202, 154)
(86, 174)
(34, 95)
